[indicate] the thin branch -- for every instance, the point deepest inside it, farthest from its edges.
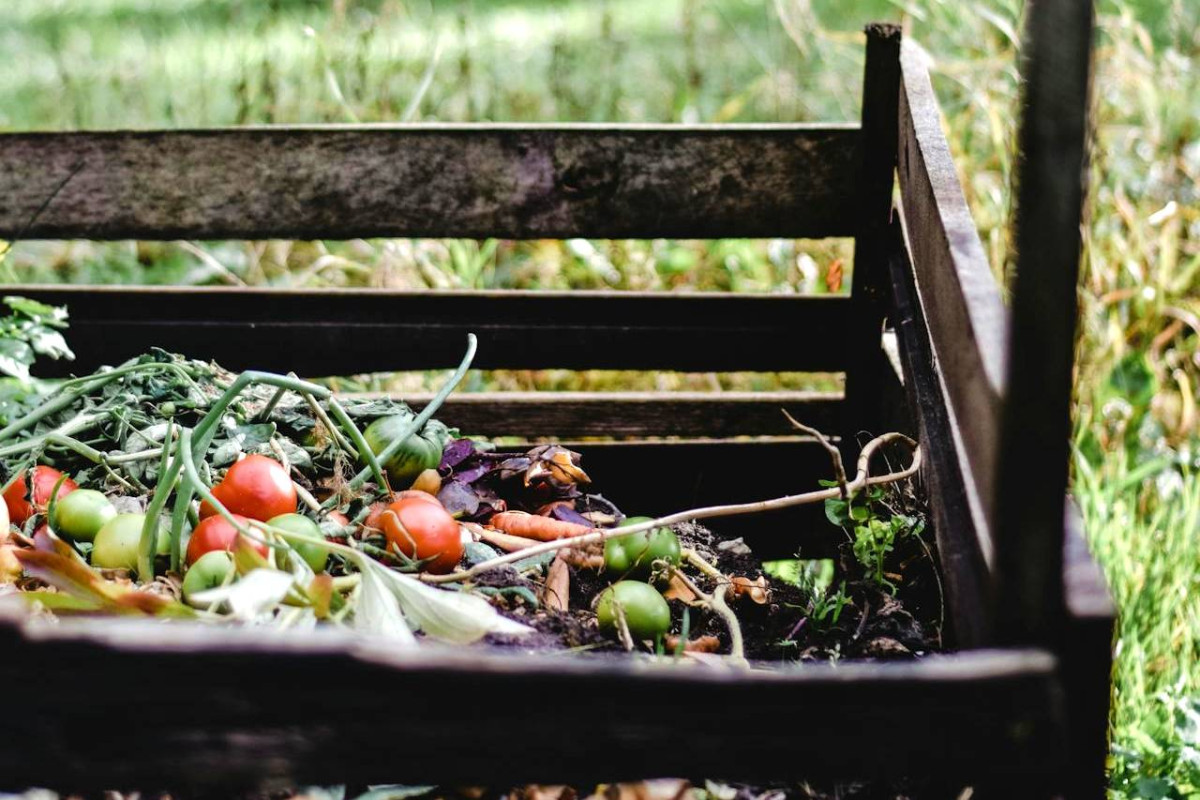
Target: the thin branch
(862, 479)
(835, 455)
(715, 601)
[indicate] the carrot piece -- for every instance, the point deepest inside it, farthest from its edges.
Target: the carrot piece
(505, 541)
(544, 529)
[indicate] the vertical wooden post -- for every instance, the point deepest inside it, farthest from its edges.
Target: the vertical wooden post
(1036, 424)
(880, 120)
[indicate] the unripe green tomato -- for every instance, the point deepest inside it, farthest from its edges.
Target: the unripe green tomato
(209, 572)
(81, 514)
(116, 544)
(314, 555)
(646, 612)
(634, 555)
(421, 451)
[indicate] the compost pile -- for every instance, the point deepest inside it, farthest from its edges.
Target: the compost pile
(168, 487)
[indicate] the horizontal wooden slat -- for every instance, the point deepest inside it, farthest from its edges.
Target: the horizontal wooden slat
(509, 181)
(206, 709)
(961, 301)
(342, 332)
(625, 414)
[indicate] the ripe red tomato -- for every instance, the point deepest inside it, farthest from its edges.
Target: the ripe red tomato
(216, 533)
(16, 496)
(256, 487)
(421, 530)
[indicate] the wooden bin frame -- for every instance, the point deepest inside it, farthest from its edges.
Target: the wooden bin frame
(1022, 704)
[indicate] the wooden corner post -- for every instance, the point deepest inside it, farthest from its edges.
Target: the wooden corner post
(1038, 602)
(1036, 423)
(880, 112)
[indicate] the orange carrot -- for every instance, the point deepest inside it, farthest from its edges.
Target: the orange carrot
(544, 529)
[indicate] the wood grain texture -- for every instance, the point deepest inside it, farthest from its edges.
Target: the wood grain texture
(349, 331)
(959, 296)
(881, 81)
(476, 181)
(1035, 448)
(964, 571)
(636, 414)
(218, 710)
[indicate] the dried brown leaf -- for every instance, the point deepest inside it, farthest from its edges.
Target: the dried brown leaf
(678, 590)
(557, 590)
(756, 590)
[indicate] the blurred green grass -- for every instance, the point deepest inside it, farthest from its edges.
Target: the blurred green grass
(178, 63)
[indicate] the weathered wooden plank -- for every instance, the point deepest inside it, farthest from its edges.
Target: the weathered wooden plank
(1034, 450)
(637, 414)
(959, 296)
(964, 571)
(881, 82)
(211, 710)
(510, 181)
(1086, 651)
(349, 331)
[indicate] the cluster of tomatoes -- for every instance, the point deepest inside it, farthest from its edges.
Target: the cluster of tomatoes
(254, 488)
(634, 600)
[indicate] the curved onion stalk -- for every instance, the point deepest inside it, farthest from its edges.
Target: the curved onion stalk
(426, 413)
(168, 476)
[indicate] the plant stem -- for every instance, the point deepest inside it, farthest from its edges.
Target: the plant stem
(320, 414)
(364, 449)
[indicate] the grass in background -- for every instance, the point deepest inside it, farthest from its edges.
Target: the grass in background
(147, 63)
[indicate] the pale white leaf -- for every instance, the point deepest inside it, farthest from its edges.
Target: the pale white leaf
(259, 591)
(377, 611)
(450, 616)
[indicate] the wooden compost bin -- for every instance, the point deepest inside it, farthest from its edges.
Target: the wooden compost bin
(1021, 702)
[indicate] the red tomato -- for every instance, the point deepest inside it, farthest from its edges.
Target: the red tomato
(256, 487)
(16, 496)
(216, 533)
(421, 530)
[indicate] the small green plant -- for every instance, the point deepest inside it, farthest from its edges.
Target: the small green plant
(813, 577)
(874, 529)
(877, 538)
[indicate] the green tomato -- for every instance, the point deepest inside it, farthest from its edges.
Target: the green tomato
(314, 555)
(81, 514)
(634, 555)
(646, 612)
(210, 571)
(421, 451)
(116, 545)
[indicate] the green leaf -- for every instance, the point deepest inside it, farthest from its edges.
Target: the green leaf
(36, 310)
(15, 358)
(49, 342)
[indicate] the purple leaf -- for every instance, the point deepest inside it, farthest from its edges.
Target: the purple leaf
(566, 513)
(458, 498)
(455, 453)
